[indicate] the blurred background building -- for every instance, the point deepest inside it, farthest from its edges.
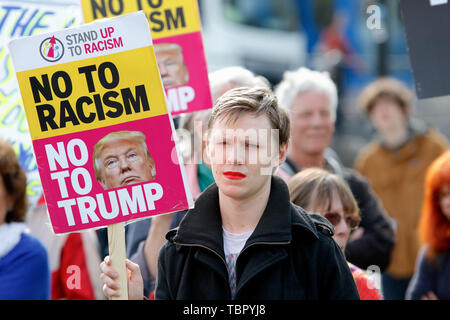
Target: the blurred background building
(355, 40)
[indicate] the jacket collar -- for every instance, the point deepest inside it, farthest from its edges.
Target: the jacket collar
(202, 225)
(10, 233)
(331, 164)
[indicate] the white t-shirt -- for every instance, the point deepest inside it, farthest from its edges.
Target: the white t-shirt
(233, 244)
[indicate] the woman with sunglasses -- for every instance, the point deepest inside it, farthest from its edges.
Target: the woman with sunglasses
(319, 191)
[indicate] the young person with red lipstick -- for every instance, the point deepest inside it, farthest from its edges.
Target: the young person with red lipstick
(245, 239)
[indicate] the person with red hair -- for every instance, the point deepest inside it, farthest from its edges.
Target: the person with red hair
(431, 280)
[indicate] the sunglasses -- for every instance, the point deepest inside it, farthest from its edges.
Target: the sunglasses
(335, 218)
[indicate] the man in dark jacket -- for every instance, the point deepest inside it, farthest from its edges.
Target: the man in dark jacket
(311, 99)
(244, 239)
(290, 255)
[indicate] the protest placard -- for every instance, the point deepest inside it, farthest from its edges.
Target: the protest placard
(426, 25)
(100, 128)
(176, 31)
(20, 18)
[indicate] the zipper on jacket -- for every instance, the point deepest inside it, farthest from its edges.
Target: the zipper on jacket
(217, 254)
(202, 246)
(269, 243)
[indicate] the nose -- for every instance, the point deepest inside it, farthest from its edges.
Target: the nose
(382, 110)
(316, 119)
(342, 229)
(162, 69)
(235, 154)
(124, 164)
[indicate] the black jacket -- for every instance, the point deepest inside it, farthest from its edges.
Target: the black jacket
(290, 255)
(375, 245)
(374, 248)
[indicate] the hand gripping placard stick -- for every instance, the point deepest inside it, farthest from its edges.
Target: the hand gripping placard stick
(117, 254)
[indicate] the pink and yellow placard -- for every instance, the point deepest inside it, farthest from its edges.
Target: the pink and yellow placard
(176, 31)
(81, 87)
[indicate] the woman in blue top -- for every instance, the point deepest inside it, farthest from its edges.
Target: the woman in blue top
(431, 279)
(24, 268)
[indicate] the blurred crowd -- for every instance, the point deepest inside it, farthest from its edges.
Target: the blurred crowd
(390, 214)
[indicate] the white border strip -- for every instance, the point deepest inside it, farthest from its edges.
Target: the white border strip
(132, 28)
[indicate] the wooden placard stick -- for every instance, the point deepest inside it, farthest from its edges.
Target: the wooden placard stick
(117, 254)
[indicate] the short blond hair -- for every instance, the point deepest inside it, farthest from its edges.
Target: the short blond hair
(136, 136)
(167, 47)
(163, 47)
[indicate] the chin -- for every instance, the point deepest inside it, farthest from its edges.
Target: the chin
(133, 182)
(234, 192)
(315, 150)
(320, 144)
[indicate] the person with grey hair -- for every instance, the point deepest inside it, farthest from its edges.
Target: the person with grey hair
(222, 80)
(311, 99)
(302, 80)
(145, 237)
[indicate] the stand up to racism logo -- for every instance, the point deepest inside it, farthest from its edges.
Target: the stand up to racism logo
(51, 49)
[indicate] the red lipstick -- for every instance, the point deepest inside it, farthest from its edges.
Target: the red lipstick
(234, 175)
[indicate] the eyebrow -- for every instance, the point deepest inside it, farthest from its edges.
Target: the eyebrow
(108, 156)
(168, 59)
